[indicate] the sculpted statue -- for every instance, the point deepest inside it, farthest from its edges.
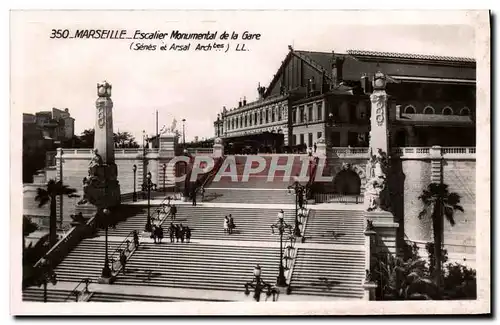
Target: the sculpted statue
(321, 140)
(377, 183)
(96, 160)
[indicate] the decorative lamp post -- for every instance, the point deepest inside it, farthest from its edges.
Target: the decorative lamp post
(106, 271)
(183, 133)
(299, 199)
(281, 225)
(218, 125)
(134, 195)
(147, 186)
(258, 284)
(164, 167)
(61, 196)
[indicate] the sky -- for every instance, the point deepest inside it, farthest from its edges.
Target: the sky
(195, 85)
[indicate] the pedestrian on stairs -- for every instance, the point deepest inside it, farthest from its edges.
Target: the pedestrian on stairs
(171, 231)
(160, 233)
(188, 234)
(177, 233)
(153, 233)
(182, 232)
(136, 239)
(226, 224)
(173, 211)
(281, 215)
(231, 224)
(194, 197)
(123, 260)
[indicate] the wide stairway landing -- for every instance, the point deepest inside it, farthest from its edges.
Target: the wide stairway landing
(198, 266)
(329, 272)
(335, 227)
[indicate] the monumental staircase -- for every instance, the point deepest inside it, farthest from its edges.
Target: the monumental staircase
(328, 264)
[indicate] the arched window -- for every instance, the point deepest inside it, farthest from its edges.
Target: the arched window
(279, 113)
(447, 111)
(246, 120)
(260, 117)
(255, 118)
(410, 110)
(267, 116)
(429, 110)
(272, 115)
(465, 111)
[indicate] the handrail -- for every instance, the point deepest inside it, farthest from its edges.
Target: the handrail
(128, 251)
(79, 293)
(63, 240)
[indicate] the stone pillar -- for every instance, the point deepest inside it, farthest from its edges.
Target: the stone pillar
(103, 140)
(377, 203)
(101, 187)
(321, 147)
(218, 148)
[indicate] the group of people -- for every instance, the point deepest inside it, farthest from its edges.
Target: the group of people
(229, 224)
(179, 232)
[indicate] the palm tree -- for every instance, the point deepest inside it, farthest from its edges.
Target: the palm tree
(54, 189)
(439, 203)
(28, 227)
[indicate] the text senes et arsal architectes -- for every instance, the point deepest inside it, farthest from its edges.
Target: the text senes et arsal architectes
(140, 34)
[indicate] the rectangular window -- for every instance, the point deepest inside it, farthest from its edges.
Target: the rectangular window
(320, 134)
(301, 139)
(310, 113)
(335, 139)
(310, 142)
(319, 115)
(294, 116)
(302, 114)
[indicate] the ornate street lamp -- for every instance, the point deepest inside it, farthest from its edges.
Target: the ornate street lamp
(106, 271)
(48, 275)
(258, 284)
(218, 125)
(134, 195)
(164, 167)
(183, 133)
(148, 186)
(299, 190)
(282, 226)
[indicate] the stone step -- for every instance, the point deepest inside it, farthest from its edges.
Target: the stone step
(53, 295)
(120, 297)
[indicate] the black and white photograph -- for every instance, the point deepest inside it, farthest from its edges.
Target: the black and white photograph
(249, 162)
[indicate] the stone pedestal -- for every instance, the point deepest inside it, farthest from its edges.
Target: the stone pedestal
(102, 188)
(218, 148)
(167, 144)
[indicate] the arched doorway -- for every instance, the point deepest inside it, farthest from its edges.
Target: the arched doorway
(347, 182)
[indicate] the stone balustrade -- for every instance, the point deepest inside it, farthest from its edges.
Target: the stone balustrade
(410, 152)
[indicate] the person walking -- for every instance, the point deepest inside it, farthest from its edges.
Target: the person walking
(173, 211)
(226, 224)
(281, 215)
(177, 233)
(231, 224)
(194, 197)
(153, 233)
(171, 232)
(136, 239)
(182, 232)
(315, 147)
(188, 234)
(160, 233)
(123, 260)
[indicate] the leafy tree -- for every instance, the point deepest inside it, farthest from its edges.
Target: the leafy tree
(400, 279)
(459, 282)
(439, 203)
(44, 196)
(125, 140)
(87, 138)
(28, 227)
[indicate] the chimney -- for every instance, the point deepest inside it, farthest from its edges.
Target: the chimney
(239, 103)
(244, 101)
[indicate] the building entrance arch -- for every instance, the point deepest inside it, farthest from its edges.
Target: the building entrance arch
(347, 182)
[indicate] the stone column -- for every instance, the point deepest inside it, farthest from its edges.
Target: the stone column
(377, 204)
(101, 187)
(103, 140)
